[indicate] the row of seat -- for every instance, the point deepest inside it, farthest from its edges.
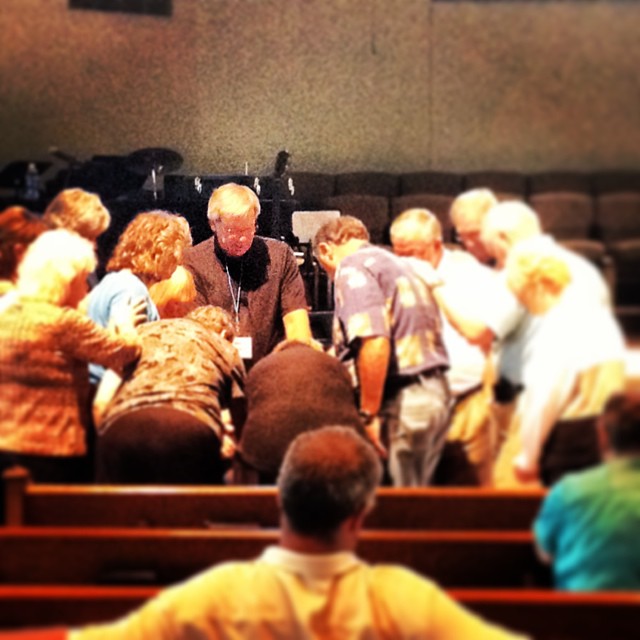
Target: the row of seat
(310, 187)
(608, 218)
(604, 228)
(75, 555)
(445, 509)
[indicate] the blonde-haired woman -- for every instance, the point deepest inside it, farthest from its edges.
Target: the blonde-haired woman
(148, 251)
(175, 296)
(45, 345)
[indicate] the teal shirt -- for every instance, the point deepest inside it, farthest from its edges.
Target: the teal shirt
(590, 523)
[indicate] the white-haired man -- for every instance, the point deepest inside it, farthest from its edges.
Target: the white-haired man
(505, 320)
(574, 365)
(467, 214)
(417, 234)
(255, 279)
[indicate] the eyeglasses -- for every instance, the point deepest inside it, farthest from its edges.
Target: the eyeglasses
(231, 231)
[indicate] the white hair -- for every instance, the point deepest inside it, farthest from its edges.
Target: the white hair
(51, 263)
(471, 206)
(514, 221)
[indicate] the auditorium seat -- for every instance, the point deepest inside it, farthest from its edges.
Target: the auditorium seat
(618, 216)
(372, 210)
(507, 185)
(34, 504)
(372, 183)
(616, 181)
(565, 215)
(441, 182)
(312, 189)
(565, 181)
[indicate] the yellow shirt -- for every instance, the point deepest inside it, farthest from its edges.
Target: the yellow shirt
(287, 595)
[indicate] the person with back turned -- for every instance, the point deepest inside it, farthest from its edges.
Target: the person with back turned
(311, 585)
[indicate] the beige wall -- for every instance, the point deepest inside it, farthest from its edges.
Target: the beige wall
(344, 85)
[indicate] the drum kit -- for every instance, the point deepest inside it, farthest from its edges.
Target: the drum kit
(154, 162)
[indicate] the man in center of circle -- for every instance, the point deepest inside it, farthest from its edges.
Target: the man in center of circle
(255, 279)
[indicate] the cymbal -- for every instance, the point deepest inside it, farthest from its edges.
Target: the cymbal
(162, 160)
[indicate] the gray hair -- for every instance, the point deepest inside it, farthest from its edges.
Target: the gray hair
(327, 476)
(232, 199)
(416, 222)
(514, 220)
(472, 205)
(51, 263)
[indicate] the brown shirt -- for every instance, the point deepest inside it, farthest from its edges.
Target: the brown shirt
(266, 281)
(294, 390)
(184, 366)
(44, 380)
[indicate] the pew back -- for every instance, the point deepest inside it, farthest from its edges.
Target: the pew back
(426, 508)
(43, 555)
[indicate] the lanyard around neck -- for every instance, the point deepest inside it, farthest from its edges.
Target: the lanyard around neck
(235, 298)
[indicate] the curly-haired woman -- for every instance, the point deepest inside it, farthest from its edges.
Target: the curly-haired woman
(149, 250)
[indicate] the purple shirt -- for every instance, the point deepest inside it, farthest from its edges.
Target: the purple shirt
(378, 294)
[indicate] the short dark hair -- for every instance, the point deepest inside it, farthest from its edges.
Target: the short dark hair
(327, 476)
(621, 421)
(339, 231)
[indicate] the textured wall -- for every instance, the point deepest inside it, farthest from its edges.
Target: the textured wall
(344, 85)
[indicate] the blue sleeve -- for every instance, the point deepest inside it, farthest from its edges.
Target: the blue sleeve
(550, 520)
(134, 289)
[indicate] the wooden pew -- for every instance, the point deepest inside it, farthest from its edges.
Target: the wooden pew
(544, 614)
(27, 503)
(47, 555)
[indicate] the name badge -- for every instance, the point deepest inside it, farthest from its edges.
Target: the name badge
(244, 346)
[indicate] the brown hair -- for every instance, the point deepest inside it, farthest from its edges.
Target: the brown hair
(340, 231)
(19, 227)
(149, 243)
(80, 211)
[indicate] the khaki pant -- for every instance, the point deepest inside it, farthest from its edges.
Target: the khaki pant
(508, 446)
(472, 433)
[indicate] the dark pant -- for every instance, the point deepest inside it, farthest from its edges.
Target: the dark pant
(159, 445)
(572, 445)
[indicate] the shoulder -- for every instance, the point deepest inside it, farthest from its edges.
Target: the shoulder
(223, 588)
(400, 586)
(117, 281)
(576, 490)
(275, 248)
(583, 483)
(201, 250)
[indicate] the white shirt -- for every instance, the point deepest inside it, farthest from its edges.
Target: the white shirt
(460, 269)
(570, 339)
(516, 329)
